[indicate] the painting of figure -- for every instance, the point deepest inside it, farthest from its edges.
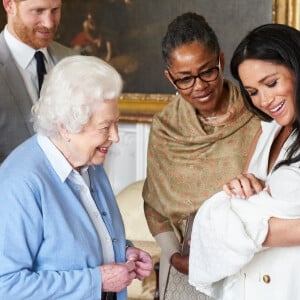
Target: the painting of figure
(128, 33)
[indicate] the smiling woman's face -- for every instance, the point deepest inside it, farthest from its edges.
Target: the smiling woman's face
(271, 88)
(91, 144)
(190, 60)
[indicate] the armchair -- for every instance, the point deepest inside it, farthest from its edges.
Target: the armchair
(131, 206)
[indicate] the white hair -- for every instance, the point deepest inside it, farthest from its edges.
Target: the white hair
(69, 92)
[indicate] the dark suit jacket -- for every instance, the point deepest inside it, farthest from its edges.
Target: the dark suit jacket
(15, 102)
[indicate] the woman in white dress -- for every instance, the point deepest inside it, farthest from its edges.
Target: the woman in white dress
(230, 256)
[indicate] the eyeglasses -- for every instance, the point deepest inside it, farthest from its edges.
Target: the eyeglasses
(189, 81)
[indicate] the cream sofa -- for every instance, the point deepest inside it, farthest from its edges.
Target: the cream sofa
(131, 206)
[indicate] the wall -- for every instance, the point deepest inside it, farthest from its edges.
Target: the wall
(127, 160)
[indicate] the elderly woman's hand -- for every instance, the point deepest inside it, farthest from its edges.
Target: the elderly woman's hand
(143, 262)
(117, 276)
(244, 186)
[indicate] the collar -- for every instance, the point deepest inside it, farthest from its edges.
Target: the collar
(21, 52)
(59, 163)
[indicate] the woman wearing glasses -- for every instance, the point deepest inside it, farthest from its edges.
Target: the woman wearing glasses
(197, 143)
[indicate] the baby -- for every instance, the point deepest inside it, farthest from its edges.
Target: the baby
(228, 231)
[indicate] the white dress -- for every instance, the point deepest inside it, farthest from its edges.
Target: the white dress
(227, 260)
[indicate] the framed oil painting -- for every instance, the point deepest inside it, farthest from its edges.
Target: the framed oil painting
(128, 33)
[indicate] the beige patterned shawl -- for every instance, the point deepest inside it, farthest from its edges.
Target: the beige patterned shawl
(189, 159)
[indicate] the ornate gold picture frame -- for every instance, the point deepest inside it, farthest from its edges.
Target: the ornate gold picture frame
(287, 12)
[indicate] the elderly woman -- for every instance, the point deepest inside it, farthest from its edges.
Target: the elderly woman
(61, 232)
(200, 140)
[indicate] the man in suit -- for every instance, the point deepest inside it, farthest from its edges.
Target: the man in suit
(31, 25)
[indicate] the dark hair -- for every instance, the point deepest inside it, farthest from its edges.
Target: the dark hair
(185, 29)
(279, 44)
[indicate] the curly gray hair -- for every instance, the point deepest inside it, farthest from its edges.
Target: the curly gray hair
(70, 91)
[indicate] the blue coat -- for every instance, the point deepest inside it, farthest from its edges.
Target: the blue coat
(49, 248)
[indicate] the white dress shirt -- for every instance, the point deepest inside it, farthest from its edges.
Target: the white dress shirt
(26, 63)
